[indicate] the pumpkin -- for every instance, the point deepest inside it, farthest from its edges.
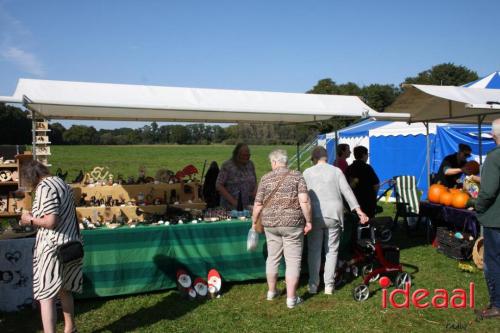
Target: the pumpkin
(460, 200)
(446, 198)
(454, 190)
(435, 192)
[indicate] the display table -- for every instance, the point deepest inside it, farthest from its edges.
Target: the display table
(16, 273)
(457, 219)
(133, 260)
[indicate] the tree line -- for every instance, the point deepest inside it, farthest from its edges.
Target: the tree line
(15, 127)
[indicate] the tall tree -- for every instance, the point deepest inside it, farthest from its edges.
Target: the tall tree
(326, 87)
(15, 127)
(380, 96)
(447, 74)
(81, 135)
(56, 133)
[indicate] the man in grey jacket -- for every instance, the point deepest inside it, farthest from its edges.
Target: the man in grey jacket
(327, 185)
(488, 209)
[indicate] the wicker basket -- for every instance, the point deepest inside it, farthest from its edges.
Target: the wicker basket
(478, 252)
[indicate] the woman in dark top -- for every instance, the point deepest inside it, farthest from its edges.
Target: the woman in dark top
(210, 194)
(53, 212)
(364, 181)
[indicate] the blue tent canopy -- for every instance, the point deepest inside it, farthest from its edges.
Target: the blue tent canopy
(491, 81)
(361, 128)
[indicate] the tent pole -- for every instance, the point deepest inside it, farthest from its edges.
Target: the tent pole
(26, 102)
(298, 156)
(479, 130)
(428, 156)
(335, 145)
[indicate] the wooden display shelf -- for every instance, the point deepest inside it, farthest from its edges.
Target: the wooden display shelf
(8, 183)
(130, 212)
(129, 192)
(8, 165)
(9, 214)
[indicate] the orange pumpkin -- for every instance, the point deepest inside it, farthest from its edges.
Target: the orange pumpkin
(446, 198)
(460, 200)
(455, 190)
(435, 192)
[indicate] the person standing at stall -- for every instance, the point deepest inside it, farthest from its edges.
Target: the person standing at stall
(327, 187)
(364, 181)
(452, 166)
(54, 213)
(237, 179)
(488, 210)
(283, 201)
(343, 153)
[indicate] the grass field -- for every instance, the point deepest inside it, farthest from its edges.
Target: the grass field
(243, 307)
(126, 160)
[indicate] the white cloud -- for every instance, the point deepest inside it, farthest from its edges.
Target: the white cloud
(28, 62)
(15, 40)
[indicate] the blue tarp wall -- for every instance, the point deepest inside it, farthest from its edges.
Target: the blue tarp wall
(406, 154)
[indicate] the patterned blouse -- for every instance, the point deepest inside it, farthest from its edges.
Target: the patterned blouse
(237, 179)
(284, 208)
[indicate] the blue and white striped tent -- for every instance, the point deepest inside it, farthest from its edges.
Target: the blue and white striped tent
(491, 81)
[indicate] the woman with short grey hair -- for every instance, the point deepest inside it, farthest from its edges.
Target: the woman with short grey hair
(327, 185)
(283, 201)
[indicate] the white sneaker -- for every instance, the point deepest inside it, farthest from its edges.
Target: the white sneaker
(312, 289)
(329, 290)
(293, 302)
(273, 294)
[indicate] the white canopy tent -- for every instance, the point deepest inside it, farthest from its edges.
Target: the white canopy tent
(104, 101)
(427, 103)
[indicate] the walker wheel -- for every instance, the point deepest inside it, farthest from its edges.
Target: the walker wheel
(385, 235)
(367, 269)
(401, 279)
(361, 293)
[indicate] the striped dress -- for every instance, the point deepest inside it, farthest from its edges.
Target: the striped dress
(54, 196)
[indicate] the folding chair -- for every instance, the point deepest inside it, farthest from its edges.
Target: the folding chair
(407, 199)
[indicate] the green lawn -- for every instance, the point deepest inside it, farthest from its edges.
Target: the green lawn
(243, 307)
(126, 160)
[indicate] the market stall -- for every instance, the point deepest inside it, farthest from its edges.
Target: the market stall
(136, 245)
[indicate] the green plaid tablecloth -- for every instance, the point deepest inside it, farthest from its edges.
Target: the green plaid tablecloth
(134, 260)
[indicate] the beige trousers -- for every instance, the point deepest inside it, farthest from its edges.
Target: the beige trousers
(286, 241)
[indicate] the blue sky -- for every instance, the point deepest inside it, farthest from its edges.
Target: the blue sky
(256, 45)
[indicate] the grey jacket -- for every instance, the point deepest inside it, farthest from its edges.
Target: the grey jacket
(327, 184)
(488, 200)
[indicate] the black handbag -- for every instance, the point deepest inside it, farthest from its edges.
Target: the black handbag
(70, 251)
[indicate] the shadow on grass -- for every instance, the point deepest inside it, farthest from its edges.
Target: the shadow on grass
(171, 307)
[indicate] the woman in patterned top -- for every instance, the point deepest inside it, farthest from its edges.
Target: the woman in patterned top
(53, 212)
(237, 177)
(283, 200)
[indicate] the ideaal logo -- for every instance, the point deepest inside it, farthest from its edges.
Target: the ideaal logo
(423, 298)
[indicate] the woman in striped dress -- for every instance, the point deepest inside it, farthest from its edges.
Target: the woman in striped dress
(53, 212)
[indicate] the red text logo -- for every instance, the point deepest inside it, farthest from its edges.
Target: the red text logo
(422, 298)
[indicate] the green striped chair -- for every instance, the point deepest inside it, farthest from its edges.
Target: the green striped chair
(407, 199)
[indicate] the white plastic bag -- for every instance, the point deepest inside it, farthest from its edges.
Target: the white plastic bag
(252, 240)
